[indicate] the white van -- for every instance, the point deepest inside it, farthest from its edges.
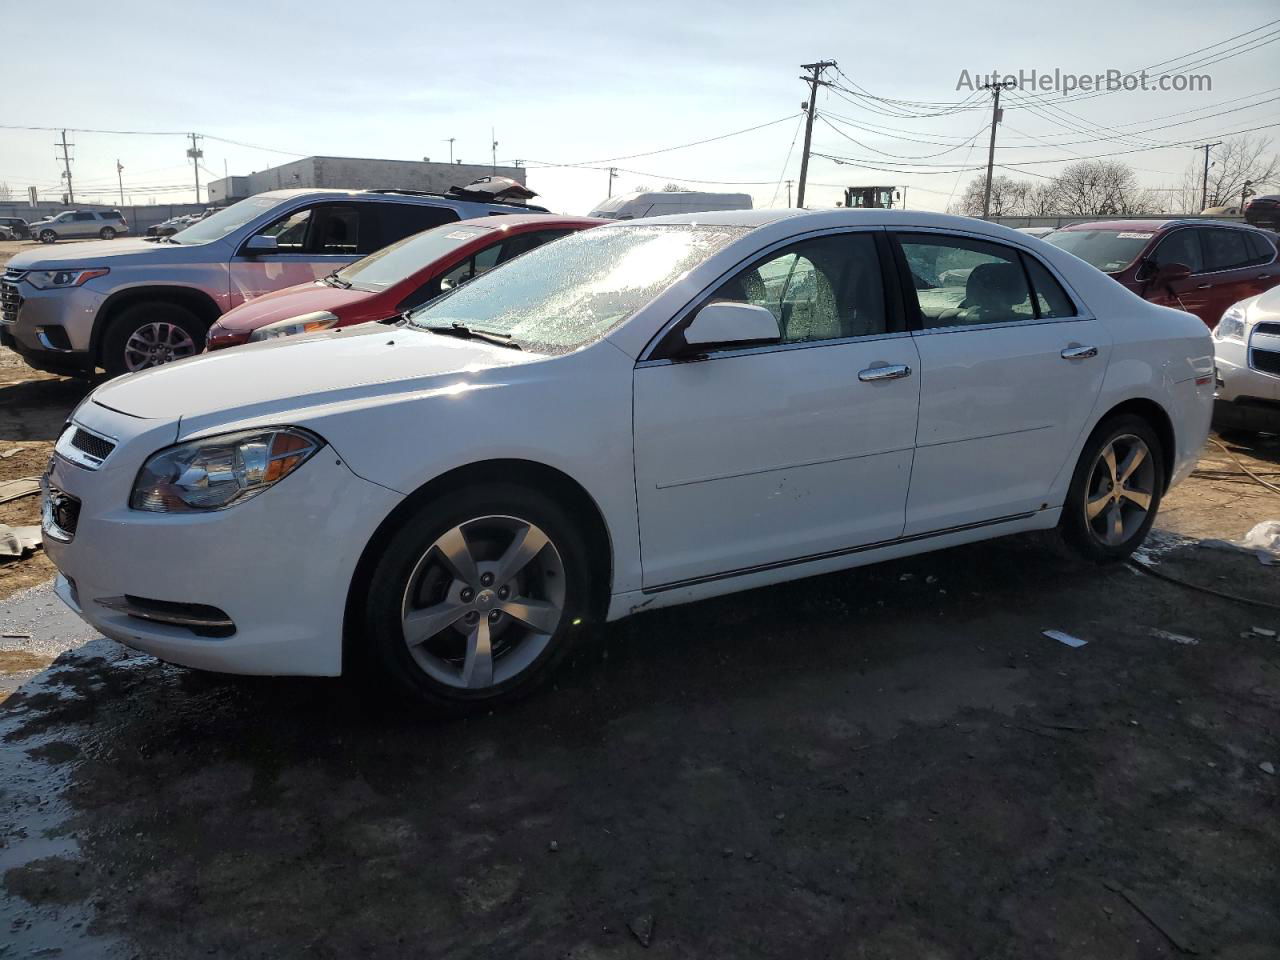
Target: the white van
(633, 206)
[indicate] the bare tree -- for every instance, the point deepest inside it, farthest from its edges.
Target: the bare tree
(1008, 196)
(1239, 159)
(5, 193)
(675, 188)
(1100, 188)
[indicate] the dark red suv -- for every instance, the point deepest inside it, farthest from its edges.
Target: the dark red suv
(1200, 266)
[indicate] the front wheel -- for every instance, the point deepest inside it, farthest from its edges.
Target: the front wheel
(107, 233)
(476, 597)
(149, 334)
(48, 236)
(1115, 490)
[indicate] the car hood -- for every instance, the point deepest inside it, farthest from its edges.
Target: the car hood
(290, 302)
(360, 366)
(119, 251)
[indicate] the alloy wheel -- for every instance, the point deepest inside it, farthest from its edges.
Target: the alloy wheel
(1120, 491)
(155, 343)
(48, 236)
(483, 602)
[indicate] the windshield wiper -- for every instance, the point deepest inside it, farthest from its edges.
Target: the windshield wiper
(456, 329)
(336, 281)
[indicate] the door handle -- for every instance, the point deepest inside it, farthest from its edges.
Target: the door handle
(894, 371)
(1263, 276)
(1079, 353)
(1204, 286)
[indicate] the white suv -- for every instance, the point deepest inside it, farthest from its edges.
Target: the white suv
(80, 225)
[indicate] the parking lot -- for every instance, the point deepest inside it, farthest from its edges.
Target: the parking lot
(888, 762)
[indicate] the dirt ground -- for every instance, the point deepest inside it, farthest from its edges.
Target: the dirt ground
(891, 762)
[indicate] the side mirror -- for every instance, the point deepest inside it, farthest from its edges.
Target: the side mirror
(261, 244)
(730, 324)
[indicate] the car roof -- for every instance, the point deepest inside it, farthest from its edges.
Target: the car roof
(389, 195)
(1154, 226)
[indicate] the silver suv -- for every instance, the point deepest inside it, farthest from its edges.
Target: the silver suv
(80, 225)
(132, 304)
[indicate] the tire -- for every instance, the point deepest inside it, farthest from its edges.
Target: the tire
(174, 331)
(446, 669)
(107, 233)
(1103, 539)
(48, 236)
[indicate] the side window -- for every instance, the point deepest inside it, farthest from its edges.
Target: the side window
(335, 230)
(1225, 249)
(1261, 248)
(961, 282)
(82, 216)
(824, 289)
(400, 220)
(1052, 301)
(290, 231)
(472, 267)
(527, 241)
(1181, 246)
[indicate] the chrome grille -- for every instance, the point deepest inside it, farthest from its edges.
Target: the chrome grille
(10, 298)
(94, 446)
(1268, 361)
(1268, 328)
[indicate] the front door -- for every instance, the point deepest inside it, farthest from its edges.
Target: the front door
(1010, 370)
(768, 455)
(313, 242)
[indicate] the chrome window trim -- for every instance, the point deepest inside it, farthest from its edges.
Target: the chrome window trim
(646, 355)
(1002, 325)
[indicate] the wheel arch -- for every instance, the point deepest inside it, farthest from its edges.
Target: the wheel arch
(194, 299)
(538, 476)
(1160, 421)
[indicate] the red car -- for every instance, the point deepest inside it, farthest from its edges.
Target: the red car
(1201, 266)
(393, 279)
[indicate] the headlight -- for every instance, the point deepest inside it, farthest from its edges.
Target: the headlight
(307, 323)
(1231, 326)
(221, 471)
(50, 279)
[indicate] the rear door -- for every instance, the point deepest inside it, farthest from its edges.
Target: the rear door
(83, 224)
(314, 241)
(1231, 269)
(1010, 370)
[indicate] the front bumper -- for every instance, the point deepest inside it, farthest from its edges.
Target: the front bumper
(279, 565)
(54, 321)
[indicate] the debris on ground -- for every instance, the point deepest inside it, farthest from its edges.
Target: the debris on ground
(642, 929)
(1159, 916)
(1263, 632)
(1267, 767)
(15, 489)
(1175, 637)
(1263, 541)
(1066, 638)
(553, 846)
(19, 541)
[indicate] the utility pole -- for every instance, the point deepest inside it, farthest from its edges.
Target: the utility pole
(613, 172)
(449, 141)
(904, 198)
(813, 79)
(1204, 182)
(120, 179)
(195, 153)
(66, 161)
(789, 182)
(996, 117)
(493, 168)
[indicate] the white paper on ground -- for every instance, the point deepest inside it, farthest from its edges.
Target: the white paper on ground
(1066, 638)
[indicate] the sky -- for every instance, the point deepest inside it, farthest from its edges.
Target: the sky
(583, 83)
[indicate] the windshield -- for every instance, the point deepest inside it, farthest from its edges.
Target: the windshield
(392, 264)
(1108, 250)
(226, 221)
(566, 294)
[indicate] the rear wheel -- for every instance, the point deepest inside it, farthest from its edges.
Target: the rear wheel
(1115, 491)
(149, 334)
(48, 236)
(107, 233)
(476, 598)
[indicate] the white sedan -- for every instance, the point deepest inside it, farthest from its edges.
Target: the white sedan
(1247, 342)
(639, 415)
